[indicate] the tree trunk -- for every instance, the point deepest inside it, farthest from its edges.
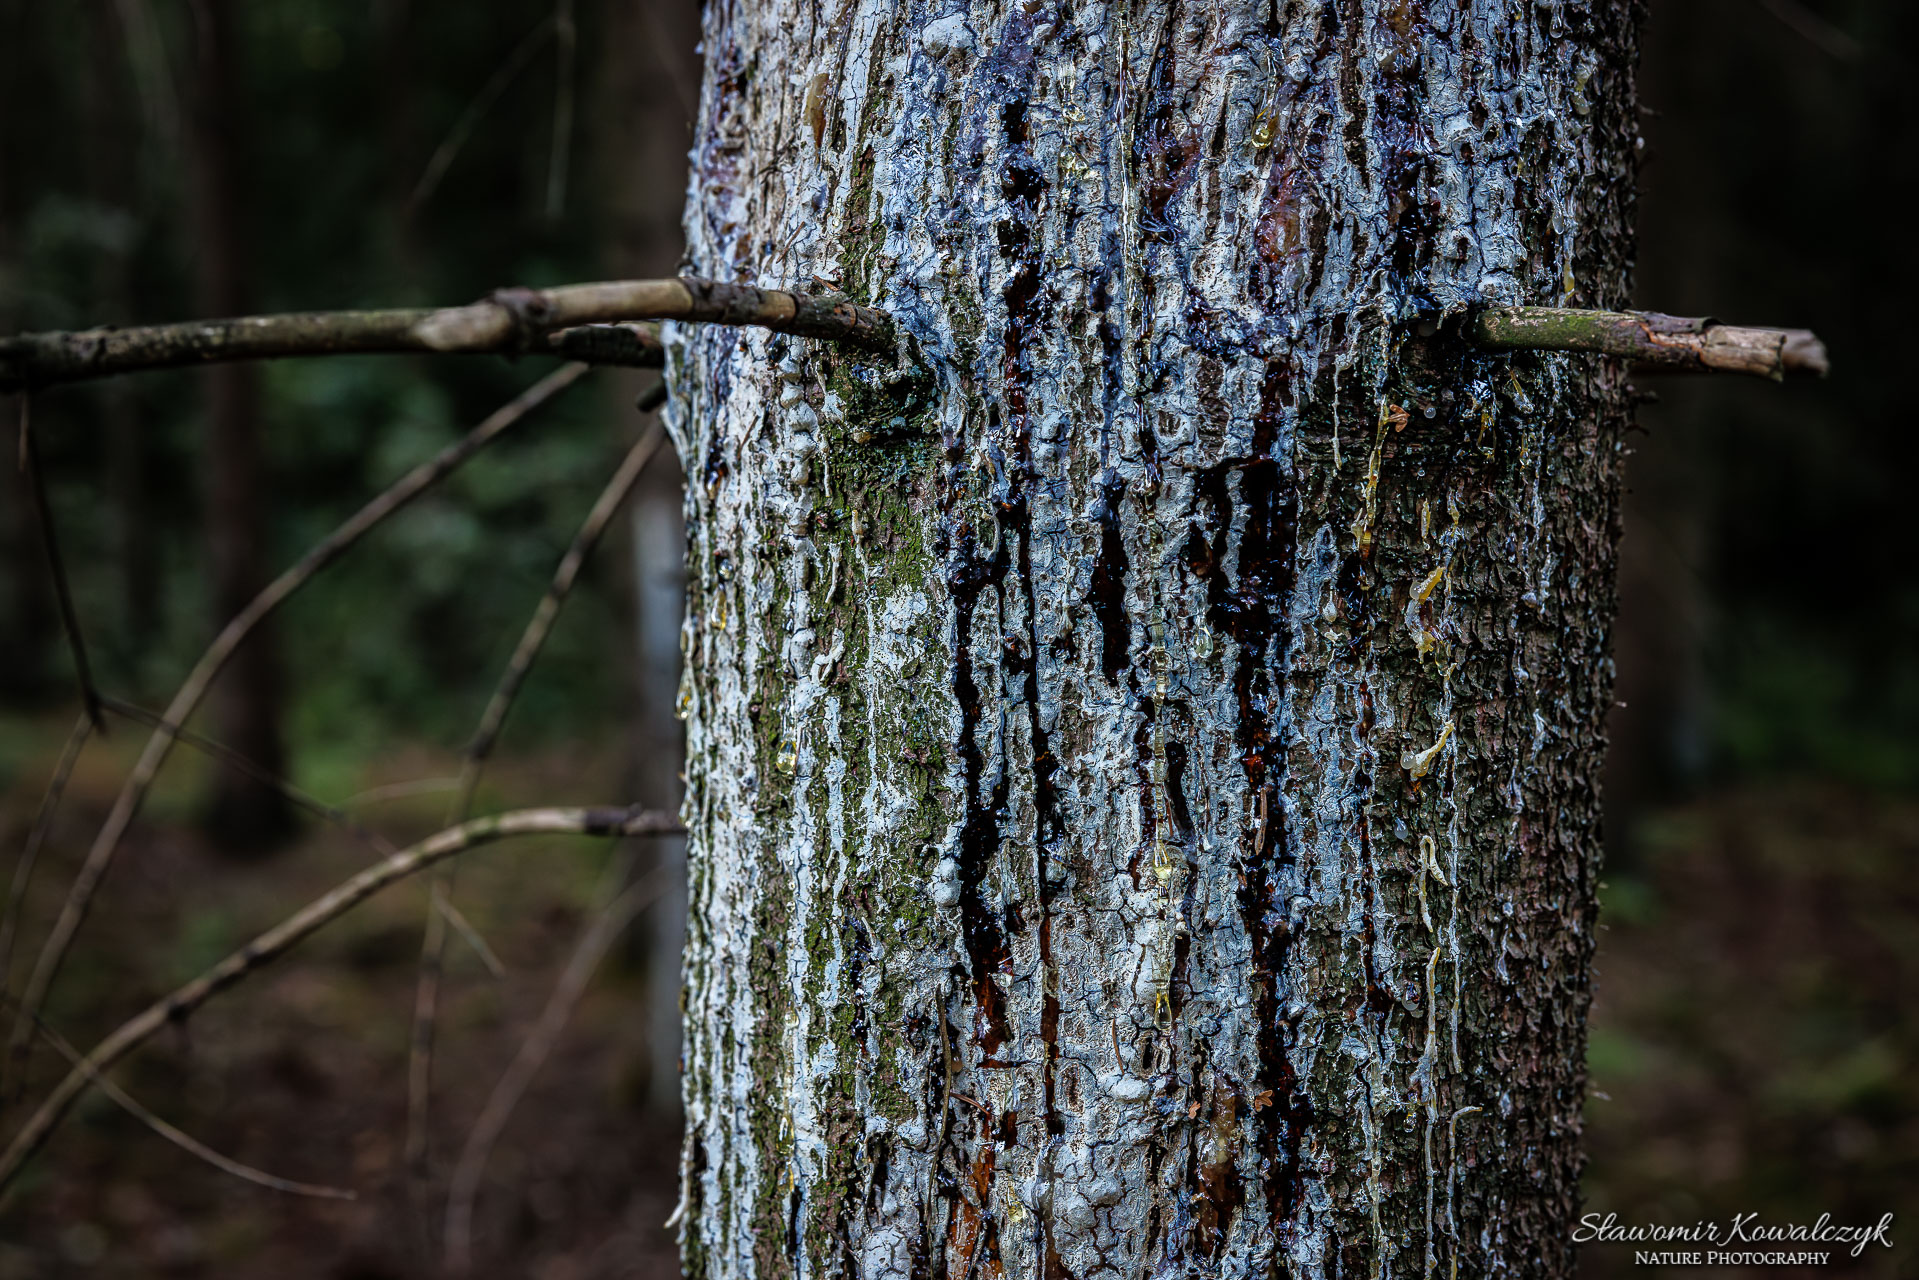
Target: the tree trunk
(242, 815)
(396, 40)
(1142, 769)
(113, 180)
(27, 676)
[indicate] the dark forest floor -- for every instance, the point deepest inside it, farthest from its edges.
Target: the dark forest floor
(301, 1071)
(1754, 1040)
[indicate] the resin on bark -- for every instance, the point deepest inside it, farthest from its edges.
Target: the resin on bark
(1143, 742)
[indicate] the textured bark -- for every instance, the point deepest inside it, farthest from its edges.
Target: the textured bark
(1142, 763)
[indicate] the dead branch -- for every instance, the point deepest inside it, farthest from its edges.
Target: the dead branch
(398, 791)
(565, 39)
(126, 805)
(449, 148)
(33, 360)
(247, 768)
(464, 1187)
(319, 808)
(495, 967)
(1654, 342)
(180, 1137)
(588, 322)
(174, 1007)
(23, 869)
(532, 640)
(56, 568)
(597, 324)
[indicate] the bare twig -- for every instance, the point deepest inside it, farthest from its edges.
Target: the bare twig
(159, 103)
(399, 791)
(591, 322)
(175, 1006)
(660, 42)
(126, 805)
(532, 639)
(247, 768)
(461, 925)
(312, 804)
(56, 568)
(1654, 342)
(442, 158)
(31, 360)
(1825, 36)
(464, 1187)
(30, 854)
(565, 37)
(179, 1137)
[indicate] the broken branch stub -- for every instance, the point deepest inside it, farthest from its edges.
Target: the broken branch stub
(1653, 341)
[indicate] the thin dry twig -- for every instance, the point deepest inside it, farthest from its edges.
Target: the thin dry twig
(246, 767)
(398, 791)
(464, 927)
(594, 323)
(147, 54)
(463, 1189)
(312, 804)
(540, 626)
(100, 856)
(56, 568)
(532, 639)
(180, 1137)
(1823, 35)
(30, 854)
(660, 42)
(565, 38)
(174, 1007)
(1653, 341)
(449, 148)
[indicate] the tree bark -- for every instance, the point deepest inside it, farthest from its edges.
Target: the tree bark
(1142, 758)
(241, 814)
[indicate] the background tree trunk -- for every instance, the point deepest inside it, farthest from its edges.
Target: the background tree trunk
(241, 814)
(649, 75)
(114, 175)
(395, 34)
(1142, 772)
(26, 674)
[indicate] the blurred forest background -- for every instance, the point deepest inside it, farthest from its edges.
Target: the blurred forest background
(1754, 1039)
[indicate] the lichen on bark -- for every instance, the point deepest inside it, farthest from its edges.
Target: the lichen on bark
(1143, 746)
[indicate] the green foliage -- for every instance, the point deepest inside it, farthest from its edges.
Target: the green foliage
(404, 637)
(1810, 699)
